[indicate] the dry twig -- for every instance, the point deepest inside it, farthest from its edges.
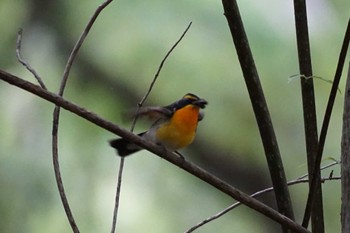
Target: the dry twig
(23, 62)
(157, 74)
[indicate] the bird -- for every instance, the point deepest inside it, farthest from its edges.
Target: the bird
(174, 126)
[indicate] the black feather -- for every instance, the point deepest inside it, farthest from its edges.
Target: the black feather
(125, 147)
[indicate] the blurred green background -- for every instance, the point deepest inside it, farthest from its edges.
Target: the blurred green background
(112, 72)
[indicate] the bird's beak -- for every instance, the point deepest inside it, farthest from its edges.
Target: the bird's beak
(200, 103)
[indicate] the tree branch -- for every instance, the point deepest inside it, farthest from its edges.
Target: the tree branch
(165, 154)
(23, 62)
(117, 195)
(79, 44)
(157, 74)
(122, 158)
(256, 194)
(325, 124)
(345, 158)
(309, 109)
(56, 115)
(260, 108)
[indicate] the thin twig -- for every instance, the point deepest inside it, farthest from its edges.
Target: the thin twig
(118, 191)
(119, 183)
(56, 115)
(79, 44)
(264, 191)
(322, 168)
(59, 182)
(299, 76)
(325, 124)
(161, 152)
(157, 74)
(298, 180)
(23, 62)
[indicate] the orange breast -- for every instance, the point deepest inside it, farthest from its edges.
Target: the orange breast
(181, 129)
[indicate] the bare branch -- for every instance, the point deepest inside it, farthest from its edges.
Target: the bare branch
(325, 124)
(165, 154)
(56, 115)
(264, 191)
(119, 183)
(23, 62)
(322, 168)
(117, 195)
(157, 74)
(59, 182)
(309, 107)
(345, 157)
(300, 179)
(260, 108)
(79, 44)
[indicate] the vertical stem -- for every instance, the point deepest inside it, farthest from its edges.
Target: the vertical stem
(260, 109)
(309, 109)
(345, 161)
(117, 195)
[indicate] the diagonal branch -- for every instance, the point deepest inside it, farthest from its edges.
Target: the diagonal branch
(260, 108)
(157, 74)
(256, 194)
(79, 44)
(325, 124)
(122, 158)
(162, 63)
(165, 154)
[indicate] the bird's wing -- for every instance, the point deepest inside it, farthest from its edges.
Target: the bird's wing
(154, 113)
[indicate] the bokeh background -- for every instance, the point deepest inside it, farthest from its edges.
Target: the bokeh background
(113, 71)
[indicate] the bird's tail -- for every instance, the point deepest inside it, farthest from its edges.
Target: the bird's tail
(124, 147)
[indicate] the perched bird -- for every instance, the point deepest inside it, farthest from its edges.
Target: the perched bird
(174, 125)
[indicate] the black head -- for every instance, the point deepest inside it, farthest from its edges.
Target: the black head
(190, 98)
(186, 100)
